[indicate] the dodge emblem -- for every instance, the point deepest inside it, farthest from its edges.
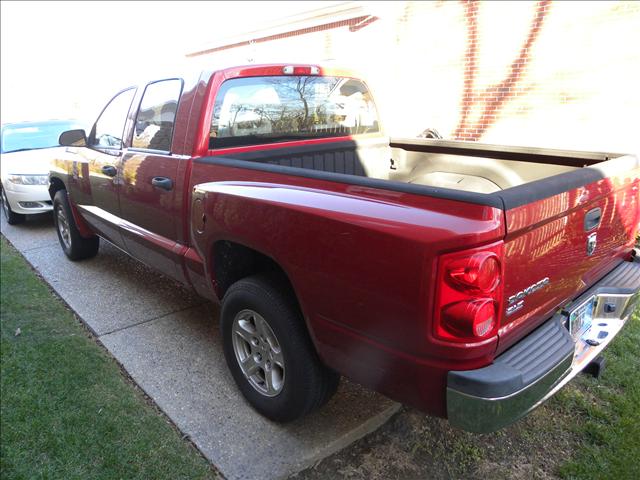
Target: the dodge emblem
(591, 244)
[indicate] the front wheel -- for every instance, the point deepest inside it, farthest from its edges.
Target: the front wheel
(269, 352)
(13, 218)
(74, 245)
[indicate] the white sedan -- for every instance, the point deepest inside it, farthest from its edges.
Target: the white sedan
(27, 150)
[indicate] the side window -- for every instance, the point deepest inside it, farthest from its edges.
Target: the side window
(156, 116)
(107, 131)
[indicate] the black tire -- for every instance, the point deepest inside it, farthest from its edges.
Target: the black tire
(75, 246)
(13, 218)
(307, 384)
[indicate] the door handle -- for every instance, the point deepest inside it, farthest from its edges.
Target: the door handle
(592, 219)
(162, 182)
(109, 170)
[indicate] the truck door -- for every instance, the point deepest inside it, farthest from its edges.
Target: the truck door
(96, 173)
(151, 195)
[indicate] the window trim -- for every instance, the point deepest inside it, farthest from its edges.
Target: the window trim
(137, 112)
(92, 134)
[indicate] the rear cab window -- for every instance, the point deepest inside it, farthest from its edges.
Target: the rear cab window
(261, 110)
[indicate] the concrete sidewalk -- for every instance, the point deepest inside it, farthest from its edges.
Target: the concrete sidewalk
(168, 340)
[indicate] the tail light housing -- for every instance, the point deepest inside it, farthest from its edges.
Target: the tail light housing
(469, 294)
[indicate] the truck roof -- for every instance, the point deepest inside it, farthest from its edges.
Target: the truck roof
(194, 75)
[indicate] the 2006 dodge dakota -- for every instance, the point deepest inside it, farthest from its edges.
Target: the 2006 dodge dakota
(471, 281)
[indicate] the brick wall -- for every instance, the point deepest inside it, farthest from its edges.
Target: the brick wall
(547, 73)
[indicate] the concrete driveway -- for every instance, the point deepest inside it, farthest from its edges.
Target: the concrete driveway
(168, 341)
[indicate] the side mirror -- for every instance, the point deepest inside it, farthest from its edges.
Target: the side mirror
(73, 138)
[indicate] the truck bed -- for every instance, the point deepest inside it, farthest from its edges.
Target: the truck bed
(467, 173)
(490, 173)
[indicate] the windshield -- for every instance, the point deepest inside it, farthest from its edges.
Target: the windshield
(29, 136)
(256, 110)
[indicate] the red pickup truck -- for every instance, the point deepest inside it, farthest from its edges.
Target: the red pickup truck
(471, 281)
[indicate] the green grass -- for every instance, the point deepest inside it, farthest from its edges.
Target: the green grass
(607, 413)
(67, 411)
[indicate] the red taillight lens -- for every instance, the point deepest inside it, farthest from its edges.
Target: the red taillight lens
(480, 271)
(469, 294)
(473, 318)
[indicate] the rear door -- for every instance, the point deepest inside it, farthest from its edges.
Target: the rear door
(557, 247)
(151, 194)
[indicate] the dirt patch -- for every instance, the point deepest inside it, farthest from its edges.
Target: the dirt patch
(415, 446)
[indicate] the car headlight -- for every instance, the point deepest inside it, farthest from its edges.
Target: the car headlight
(29, 179)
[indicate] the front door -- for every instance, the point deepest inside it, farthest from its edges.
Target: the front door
(98, 173)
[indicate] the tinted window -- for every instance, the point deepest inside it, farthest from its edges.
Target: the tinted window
(156, 116)
(108, 130)
(257, 110)
(30, 136)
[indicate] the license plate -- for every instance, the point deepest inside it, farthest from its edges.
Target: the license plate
(580, 318)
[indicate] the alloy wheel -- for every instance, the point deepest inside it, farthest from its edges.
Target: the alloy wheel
(63, 227)
(258, 353)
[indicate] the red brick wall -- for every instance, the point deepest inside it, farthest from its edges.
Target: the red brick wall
(548, 73)
(480, 107)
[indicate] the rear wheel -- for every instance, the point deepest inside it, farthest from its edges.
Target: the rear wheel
(269, 352)
(75, 246)
(13, 218)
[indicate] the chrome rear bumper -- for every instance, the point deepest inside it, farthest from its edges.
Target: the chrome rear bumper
(526, 375)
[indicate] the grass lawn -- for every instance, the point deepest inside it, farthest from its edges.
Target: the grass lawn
(67, 410)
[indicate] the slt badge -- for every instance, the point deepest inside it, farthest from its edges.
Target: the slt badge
(516, 302)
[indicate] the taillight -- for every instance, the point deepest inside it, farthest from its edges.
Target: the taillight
(473, 318)
(469, 294)
(480, 271)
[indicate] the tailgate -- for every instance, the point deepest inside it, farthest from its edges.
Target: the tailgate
(558, 246)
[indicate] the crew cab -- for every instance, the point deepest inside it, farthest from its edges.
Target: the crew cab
(471, 281)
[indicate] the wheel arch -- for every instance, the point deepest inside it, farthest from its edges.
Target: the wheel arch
(55, 185)
(232, 261)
